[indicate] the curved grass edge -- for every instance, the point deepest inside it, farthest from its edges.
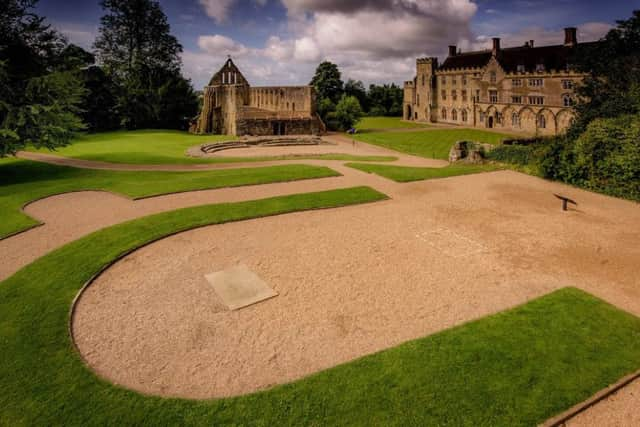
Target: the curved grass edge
(45, 382)
(108, 182)
(84, 259)
(410, 174)
(190, 160)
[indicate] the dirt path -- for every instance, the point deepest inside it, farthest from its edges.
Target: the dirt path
(351, 281)
(621, 409)
(67, 217)
(438, 254)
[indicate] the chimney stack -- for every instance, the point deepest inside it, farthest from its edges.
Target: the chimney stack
(496, 46)
(453, 51)
(531, 43)
(570, 37)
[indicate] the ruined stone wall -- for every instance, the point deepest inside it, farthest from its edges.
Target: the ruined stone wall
(299, 99)
(220, 108)
(266, 127)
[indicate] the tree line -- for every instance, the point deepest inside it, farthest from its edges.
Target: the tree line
(51, 89)
(341, 104)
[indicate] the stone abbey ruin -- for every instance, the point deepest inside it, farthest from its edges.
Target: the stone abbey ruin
(232, 107)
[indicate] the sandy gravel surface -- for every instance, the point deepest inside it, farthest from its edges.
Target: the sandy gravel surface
(621, 409)
(351, 281)
(67, 217)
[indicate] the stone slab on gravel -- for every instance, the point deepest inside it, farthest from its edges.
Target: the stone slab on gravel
(239, 287)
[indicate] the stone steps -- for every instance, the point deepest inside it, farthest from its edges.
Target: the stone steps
(261, 142)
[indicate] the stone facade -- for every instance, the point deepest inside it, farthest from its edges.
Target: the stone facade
(231, 106)
(523, 89)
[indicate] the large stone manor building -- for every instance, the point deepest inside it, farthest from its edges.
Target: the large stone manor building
(231, 106)
(526, 88)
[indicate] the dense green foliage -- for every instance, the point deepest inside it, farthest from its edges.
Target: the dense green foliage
(327, 81)
(435, 143)
(612, 86)
(40, 88)
(24, 181)
(513, 154)
(605, 158)
(408, 174)
(348, 112)
(357, 90)
(384, 100)
(144, 65)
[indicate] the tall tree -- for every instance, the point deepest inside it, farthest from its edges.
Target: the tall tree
(612, 86)
(385, 100)
(348, 112)
(356, 89)
(135, 34)
(328, 82)
(139, 53)
(40, 91)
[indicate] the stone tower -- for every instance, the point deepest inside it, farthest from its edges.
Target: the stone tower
(425, 96)
(227, 92)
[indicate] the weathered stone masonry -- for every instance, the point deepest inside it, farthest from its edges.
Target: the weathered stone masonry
(526, 88)
(231, 106)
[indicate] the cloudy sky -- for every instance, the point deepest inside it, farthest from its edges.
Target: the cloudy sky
(282, 41)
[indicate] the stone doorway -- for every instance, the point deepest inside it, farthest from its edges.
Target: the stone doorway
(490, 122)
(279, 128)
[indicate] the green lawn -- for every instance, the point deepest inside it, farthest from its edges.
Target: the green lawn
(408, 174)
(166, 147)
(368, 124)
(433, 144)
(515, 368)
(25, 181)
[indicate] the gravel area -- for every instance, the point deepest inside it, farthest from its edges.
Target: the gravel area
(351, 281)
(621, 409)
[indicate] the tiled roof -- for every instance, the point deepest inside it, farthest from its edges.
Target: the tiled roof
(553, 57)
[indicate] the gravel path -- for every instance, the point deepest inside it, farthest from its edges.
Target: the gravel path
(621, 409)
(351, 282)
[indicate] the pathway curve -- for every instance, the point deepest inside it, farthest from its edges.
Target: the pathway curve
(528, 236)
(341, 145)
(67, 217)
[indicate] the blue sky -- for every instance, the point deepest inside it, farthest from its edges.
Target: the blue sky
(281, 41)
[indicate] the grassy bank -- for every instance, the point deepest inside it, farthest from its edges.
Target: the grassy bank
(369, 124)
(167, 147)
(25, 181)
(434, 143)
(408, 174)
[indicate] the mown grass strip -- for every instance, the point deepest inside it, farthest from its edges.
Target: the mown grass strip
(25, 181)
(158, 147)
(433, 143)
(408, 174)
(379, 123)
(518, 367)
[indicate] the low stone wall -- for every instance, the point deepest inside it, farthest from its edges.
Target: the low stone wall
(247, 142)
(266, 127)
